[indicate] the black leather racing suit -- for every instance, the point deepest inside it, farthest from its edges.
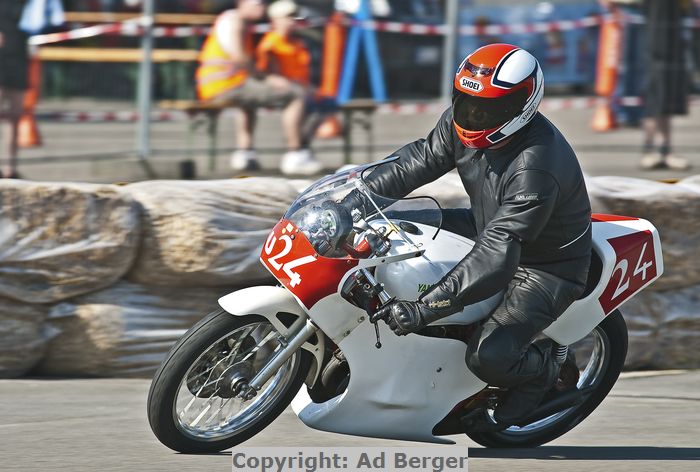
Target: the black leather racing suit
(531, 220)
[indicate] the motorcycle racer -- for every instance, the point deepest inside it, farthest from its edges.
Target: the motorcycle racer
(530, 218)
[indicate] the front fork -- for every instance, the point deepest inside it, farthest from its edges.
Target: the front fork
(301, 330)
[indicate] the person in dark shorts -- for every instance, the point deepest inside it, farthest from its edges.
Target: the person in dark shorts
(13, 81)
(667, 85)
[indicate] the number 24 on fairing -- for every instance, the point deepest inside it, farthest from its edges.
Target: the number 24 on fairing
(638, 249)
(286, 267)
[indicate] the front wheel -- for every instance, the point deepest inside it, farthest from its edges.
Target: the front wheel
(601, 356)
(192, 407)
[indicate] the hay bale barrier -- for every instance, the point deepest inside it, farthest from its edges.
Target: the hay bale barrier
(664, 329)
(23, 337)
(207, 233)
(101, 280)
(122, 331)
(62, 240)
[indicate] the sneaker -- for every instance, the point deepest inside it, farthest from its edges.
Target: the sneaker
(677, 162)
(652, 160)
(300, 162)
(244, 160)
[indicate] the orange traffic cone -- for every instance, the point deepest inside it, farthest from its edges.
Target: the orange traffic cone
(330, 128)
(28, 131)
(603, 118)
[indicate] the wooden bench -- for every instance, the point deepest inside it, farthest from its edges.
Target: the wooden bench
(199, 114)
(68, 54)
(355, 112)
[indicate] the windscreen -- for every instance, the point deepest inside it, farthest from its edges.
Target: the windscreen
(330, 212)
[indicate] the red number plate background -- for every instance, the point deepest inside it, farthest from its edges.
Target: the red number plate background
(635, 266)
(291, 258)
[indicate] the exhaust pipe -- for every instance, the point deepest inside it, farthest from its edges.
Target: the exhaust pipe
(561, 402)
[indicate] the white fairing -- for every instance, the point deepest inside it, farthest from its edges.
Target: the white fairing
(414, 381)
(585, 314)
(400, 391)
(403, 279)
(404, 389)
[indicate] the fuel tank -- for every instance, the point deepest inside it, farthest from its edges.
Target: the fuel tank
(407, 279)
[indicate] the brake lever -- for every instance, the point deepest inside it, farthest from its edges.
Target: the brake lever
(378, 344)
(375, 320)
(384, 299)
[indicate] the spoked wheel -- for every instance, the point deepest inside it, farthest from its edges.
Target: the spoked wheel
(197, 401)
(600, 357)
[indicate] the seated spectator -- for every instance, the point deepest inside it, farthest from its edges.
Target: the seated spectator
(280, 52)
(226, 76)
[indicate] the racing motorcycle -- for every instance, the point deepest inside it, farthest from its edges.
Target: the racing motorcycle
(310, 341)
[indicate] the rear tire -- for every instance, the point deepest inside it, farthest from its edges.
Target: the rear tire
(209, 333)
(613, 333)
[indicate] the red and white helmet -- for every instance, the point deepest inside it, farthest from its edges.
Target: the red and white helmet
(497, 90)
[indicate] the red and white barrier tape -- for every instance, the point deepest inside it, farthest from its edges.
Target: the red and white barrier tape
(79, 33)
(472, 30)
(550, 104)
(135, 27)
(106, 116)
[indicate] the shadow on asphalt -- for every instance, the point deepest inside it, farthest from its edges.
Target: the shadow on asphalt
(220, 453)
(592, 453)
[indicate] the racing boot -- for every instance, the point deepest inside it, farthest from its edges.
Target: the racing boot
(523, 399)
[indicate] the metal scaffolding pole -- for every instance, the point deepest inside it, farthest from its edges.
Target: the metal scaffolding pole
(145, 85)
(450, 49)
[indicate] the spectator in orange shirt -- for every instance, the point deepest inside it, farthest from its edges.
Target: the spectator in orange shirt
(283, 56)
(279, 51)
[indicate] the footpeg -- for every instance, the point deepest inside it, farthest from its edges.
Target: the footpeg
(564, 400)
(479, 421)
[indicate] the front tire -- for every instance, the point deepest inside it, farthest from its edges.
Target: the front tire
(608, 348)
(191, 408)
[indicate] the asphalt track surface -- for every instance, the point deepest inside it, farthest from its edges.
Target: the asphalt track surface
(650, 422)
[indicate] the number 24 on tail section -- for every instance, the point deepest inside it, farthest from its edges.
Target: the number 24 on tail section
(635, 266)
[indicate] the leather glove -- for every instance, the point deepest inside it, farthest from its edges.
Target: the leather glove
(405, 317)
(355, 200)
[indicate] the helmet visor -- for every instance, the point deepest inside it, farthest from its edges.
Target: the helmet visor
(480, 113)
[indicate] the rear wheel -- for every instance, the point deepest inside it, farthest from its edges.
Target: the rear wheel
(193, 404)
(600, 357)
